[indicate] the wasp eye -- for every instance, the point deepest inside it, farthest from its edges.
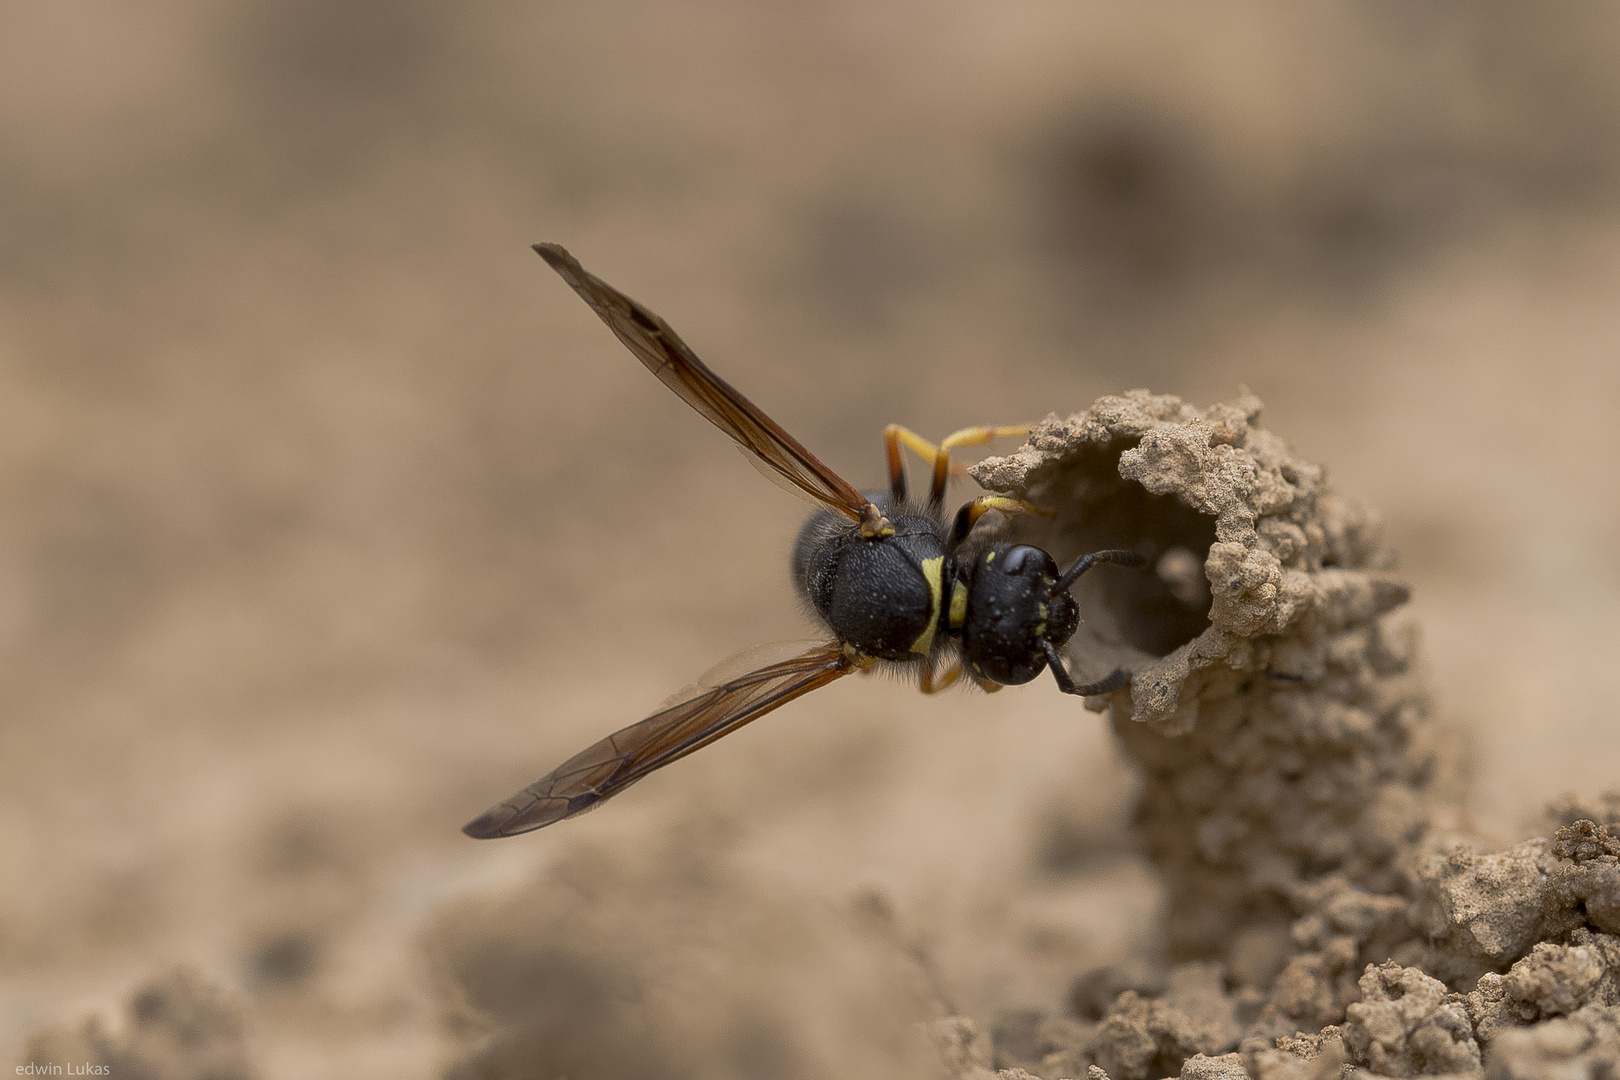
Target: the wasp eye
(1016, 561)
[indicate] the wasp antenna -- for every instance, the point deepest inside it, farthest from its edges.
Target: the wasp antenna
(1114, 680)
(1118, 557)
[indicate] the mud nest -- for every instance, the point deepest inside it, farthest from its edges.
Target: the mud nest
(1325, 910)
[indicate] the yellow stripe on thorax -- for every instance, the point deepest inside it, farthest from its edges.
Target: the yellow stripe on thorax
(933, 571)
(958, 605)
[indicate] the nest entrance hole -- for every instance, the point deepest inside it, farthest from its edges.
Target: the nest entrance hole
(1156, 610)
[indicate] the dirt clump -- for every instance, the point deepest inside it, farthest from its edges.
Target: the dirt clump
(1327, 907)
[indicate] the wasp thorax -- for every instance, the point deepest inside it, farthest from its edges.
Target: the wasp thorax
(1011, 608)
(881, 595)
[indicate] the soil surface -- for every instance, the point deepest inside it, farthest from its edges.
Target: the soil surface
(332, 517)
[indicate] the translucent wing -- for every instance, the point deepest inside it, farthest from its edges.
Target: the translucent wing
(624, 757)
(668, 357)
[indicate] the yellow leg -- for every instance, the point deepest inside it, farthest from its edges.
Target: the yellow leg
(986, 685)
(895, 436)
(973, 436)
(973, 511)
(927, 683)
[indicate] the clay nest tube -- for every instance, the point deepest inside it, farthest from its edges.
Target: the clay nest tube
(1247, 548)
(1323, 906)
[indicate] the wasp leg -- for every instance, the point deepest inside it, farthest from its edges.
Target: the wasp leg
(986, 685)
(1117, 557)
(973, 511)
(895, 436)
(929, 685)
(972, 436)
(1106, 685)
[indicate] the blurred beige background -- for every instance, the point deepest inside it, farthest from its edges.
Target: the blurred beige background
(330, 516)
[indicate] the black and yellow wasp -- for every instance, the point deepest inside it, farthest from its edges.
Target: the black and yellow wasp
(892, 581)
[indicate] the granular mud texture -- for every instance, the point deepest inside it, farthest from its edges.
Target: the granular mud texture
(1326, 910)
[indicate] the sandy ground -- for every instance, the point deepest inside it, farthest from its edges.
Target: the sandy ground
(332, 516)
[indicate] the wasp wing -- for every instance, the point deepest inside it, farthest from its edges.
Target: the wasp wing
(610, 766)
(668, 357)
